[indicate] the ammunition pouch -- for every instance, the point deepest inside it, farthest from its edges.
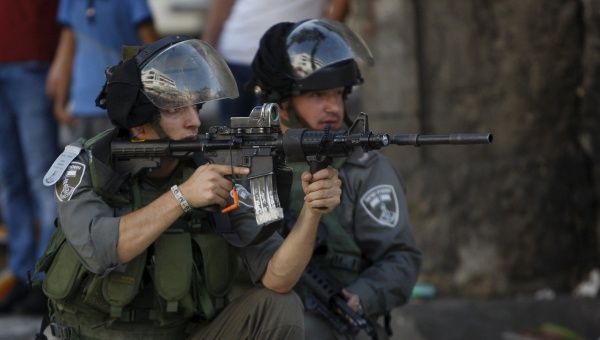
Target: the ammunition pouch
(189, 270)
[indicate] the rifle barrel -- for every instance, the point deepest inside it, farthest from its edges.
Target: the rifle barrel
(454, 138)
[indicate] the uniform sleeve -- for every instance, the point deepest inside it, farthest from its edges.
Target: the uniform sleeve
(255, 257)
(89, 224)
(63, 14)
(140, 11)
(382, 231)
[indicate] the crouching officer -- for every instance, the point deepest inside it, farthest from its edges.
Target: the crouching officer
(137, 253)
(366, 245)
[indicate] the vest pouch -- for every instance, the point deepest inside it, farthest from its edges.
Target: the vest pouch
(64, 274)
(343, 259)
(56, 241)
(173, 267)
(219, 263)
(120, 288)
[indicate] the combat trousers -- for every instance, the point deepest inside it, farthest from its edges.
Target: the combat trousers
(258, 314)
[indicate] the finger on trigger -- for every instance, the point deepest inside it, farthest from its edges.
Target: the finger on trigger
(231, 170)
(324, 174)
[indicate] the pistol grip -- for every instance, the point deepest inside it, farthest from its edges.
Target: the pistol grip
(235, 204)
(318, 163)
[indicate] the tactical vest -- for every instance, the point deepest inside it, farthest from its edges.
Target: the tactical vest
(188, 271)
(339, 255)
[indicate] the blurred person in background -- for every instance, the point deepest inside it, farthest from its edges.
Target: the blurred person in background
(234, 28)
(366, 245)
(28, 135)
(92, 35)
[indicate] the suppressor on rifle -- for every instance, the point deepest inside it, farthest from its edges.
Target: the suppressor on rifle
(417, 139)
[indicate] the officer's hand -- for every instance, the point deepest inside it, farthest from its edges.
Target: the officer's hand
(322, 190)
(63, 116)
(353, 301)
(208, 185)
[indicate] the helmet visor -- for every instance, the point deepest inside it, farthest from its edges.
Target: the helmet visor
(318, 43)
(187, 73)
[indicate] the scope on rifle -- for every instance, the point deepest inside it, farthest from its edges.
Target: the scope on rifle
(264, 116)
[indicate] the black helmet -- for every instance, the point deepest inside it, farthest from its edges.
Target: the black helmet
(316, 54)
(170, 73)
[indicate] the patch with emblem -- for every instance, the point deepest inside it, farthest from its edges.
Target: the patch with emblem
(381, 203)
(70, 181)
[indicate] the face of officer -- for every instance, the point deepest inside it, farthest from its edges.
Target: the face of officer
(177, 124)
(318, 108)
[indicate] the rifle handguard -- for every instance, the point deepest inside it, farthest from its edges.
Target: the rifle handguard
(236, 202)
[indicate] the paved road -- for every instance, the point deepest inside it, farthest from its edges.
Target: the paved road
(503, 319)
(452, 318)
(19, 327)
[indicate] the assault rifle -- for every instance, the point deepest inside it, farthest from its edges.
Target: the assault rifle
(324, 297)
(257, 142)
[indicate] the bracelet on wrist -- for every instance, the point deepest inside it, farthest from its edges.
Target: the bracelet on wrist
(181, 199)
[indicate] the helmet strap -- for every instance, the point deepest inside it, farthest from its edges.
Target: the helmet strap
(156, 125)
(293, 119)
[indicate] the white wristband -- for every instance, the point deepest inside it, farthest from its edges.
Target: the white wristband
(179, 197)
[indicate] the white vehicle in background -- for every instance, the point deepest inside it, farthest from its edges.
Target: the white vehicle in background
(179, 16)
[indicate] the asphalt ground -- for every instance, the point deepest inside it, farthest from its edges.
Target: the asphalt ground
(19, 327)
(523, 318)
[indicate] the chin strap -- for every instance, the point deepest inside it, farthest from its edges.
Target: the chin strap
(156, 125)
(294, 120)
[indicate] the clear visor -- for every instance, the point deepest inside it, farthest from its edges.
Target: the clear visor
(187, 73)
(318, 43)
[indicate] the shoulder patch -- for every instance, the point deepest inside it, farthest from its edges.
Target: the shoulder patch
(60, 164)
(70, 181)
(381, 203)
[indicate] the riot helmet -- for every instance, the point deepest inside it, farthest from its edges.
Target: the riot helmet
(312, 55)
(168, 74)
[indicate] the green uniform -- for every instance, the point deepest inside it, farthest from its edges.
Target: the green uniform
(181, 280)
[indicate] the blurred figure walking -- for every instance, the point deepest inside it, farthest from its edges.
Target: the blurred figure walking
(234, 27)
(92, 36)
(28, 34)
